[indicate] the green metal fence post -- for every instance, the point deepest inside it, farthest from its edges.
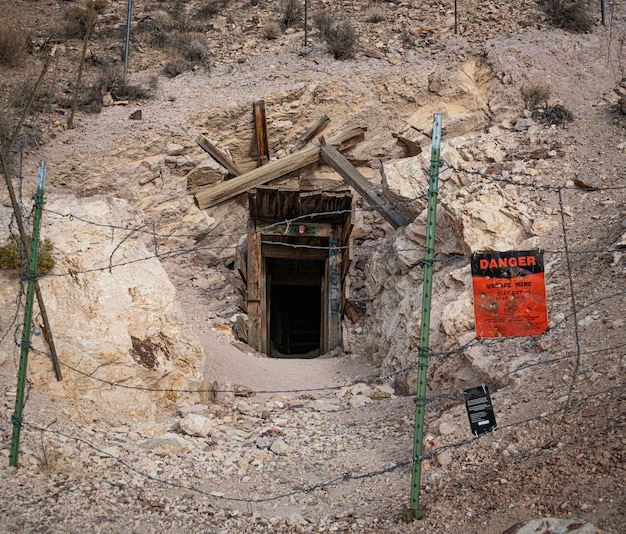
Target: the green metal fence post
(28, 314)
(413, 511)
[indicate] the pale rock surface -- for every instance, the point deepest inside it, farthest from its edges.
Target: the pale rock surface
(122, 324)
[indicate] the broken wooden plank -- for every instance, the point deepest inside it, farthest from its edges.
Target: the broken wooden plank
(355, 179)
(311, 132)
(260, 126)
(217, 155)
(274, 169)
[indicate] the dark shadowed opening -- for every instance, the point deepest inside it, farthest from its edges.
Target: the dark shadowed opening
(295, 297)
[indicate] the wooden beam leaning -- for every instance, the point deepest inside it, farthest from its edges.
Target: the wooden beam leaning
(217, 155)
(274, 169)
(311, 132)
(260, 126)
(355, 179)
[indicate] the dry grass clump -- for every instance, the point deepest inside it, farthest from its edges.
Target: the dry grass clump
(323, 21)
(12, 45)
(189, 52)
(271, 31)
(536, 95)
(569, 15)
(374, 13)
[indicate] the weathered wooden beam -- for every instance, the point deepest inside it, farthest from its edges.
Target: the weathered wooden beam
(274, 169)
(260, 126)
(218, 155)
(355, 179)
(311, 132)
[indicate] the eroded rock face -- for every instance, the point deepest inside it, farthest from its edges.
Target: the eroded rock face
(113, 312)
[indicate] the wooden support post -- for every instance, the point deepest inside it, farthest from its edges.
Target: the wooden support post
(355, 179)
(255, 289)
(218, 155)
(90, 24)
(260, 126)
(274, 169)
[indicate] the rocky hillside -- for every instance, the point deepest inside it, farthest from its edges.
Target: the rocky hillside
(143, 298)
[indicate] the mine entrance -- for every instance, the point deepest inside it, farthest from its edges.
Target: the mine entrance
(295, 306)
(296, 260)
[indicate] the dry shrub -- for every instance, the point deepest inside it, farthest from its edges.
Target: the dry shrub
(292, 13)
(211, 8)
(12, 45)
(77, 20)
(340, 37)
(536, 95)
(158, 28)
(189, 52)
(111, 79)
(569, 15)
(323, 21)
(271, 31)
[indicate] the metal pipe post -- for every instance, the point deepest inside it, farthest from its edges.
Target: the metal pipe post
(28, 314)
(413, 511)
(127, 44)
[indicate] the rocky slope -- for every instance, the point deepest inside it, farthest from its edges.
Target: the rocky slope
(113, 458)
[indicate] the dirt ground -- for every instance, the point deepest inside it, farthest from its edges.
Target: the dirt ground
(559, 447)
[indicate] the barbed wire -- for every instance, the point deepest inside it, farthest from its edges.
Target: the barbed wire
(335, 481)
(554, 188)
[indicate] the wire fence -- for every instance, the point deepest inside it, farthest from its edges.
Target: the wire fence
(576, 353)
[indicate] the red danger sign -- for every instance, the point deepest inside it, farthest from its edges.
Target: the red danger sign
(509, 294)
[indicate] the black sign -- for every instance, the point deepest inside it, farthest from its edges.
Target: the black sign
(479, 410)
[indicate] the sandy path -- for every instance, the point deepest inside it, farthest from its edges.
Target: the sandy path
(226, 363)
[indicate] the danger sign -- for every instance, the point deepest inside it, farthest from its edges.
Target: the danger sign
(509, 294)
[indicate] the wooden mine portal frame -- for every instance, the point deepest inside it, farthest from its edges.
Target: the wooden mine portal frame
(298, 251)
(296, 271)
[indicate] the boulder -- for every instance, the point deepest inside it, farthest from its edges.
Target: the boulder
(113, 313)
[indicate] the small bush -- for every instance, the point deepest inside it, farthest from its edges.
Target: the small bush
(12, 46)
(557, 114)
(342, 41)
(271, 31)
(12, 258)
(374, 14)
(536, 95)
(293, 12)
(569, 15)
(189, 53)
